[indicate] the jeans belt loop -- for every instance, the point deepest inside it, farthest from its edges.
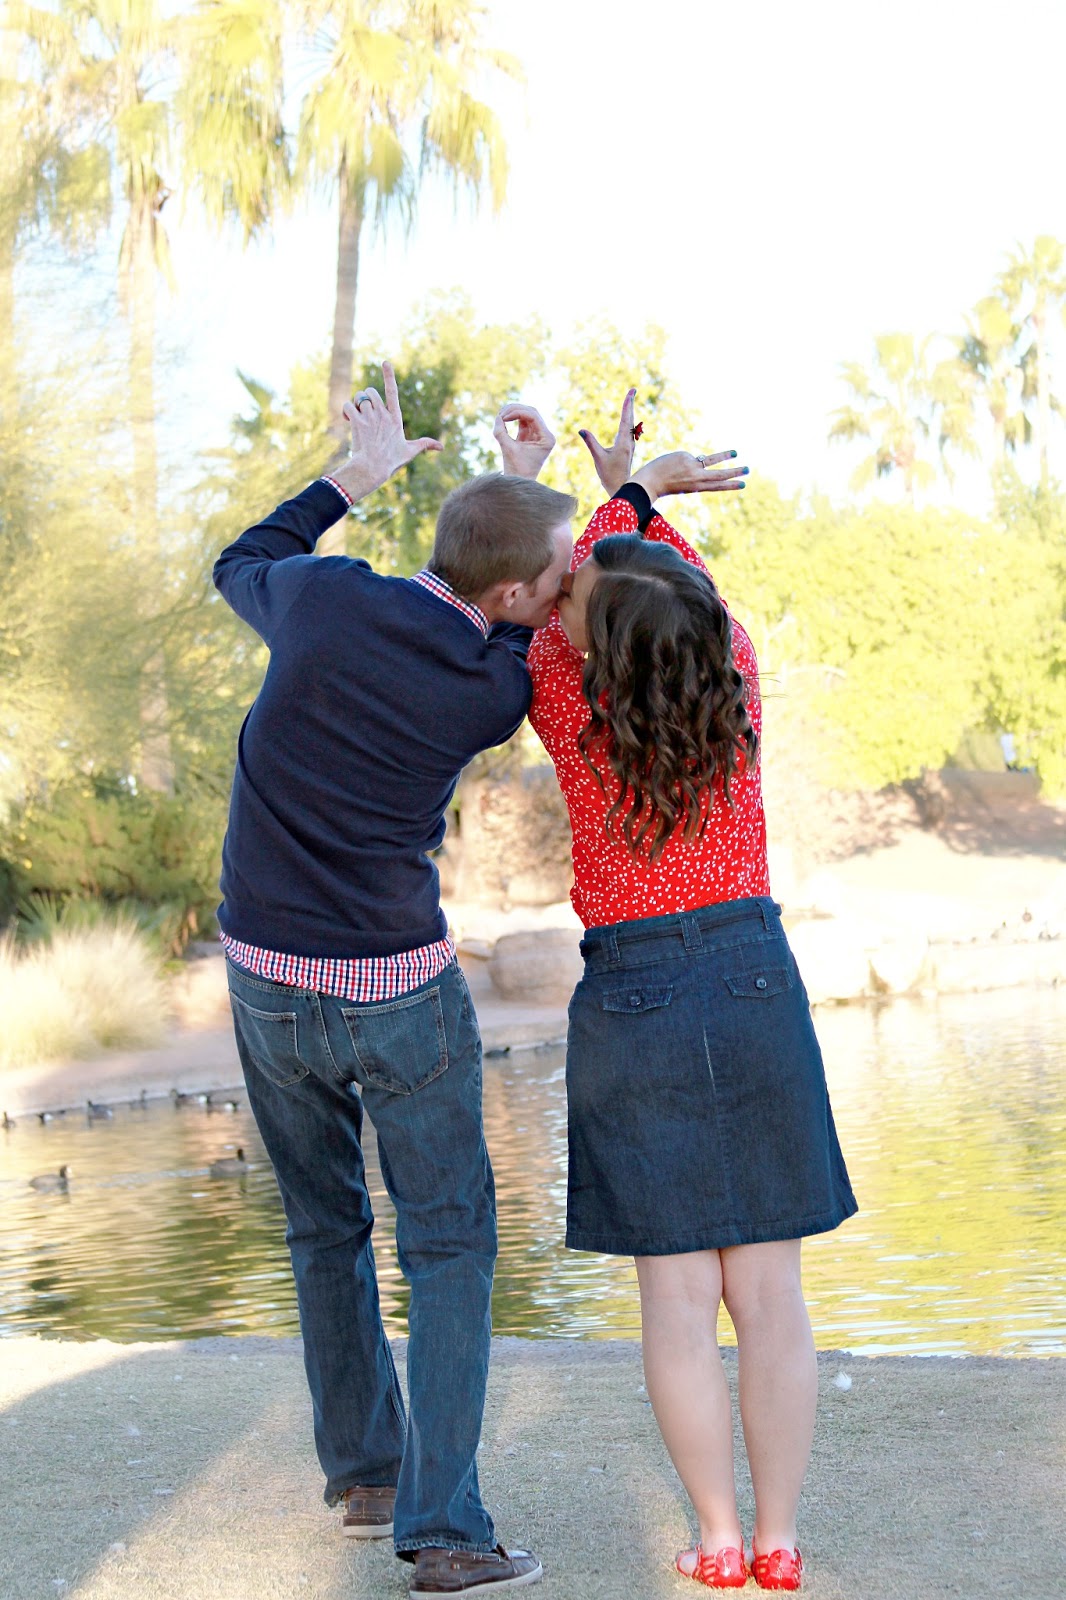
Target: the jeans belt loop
(614, 955)
(770, 910)
(693, 937)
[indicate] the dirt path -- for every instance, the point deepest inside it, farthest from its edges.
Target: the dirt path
(186, 1471)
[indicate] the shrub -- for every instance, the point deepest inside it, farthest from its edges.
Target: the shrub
(99, 841)
(82, 991)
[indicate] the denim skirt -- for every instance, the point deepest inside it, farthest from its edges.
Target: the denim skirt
(698, 1111)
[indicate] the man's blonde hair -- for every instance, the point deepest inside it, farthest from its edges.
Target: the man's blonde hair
(497, 529)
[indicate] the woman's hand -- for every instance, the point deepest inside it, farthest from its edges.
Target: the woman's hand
(614, 465)
(523, 456)
(682, 473)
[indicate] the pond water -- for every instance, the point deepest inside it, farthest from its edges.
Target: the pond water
(952, 1115)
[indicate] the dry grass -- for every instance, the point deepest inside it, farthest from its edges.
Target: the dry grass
(86, 990)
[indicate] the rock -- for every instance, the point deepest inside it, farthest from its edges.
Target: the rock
(513, 841)
(897, 965)
(539, 968)
(971, 968)
(831, 954)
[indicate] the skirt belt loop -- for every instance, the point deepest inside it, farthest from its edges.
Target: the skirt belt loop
(691, 929)
(614, 955)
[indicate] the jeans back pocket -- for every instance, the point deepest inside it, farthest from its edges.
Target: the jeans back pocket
(638, 997)
(401, 1045)
(270, 1039)
(761, 983)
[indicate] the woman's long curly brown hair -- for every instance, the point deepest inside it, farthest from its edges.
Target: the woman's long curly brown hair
(666, 702)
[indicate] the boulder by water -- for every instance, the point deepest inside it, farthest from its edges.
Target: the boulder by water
(540, 968)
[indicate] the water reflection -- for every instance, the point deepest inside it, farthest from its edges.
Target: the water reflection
(952, 1116)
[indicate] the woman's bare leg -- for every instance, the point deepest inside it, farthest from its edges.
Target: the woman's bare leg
(763, 1292)
(679, 1299)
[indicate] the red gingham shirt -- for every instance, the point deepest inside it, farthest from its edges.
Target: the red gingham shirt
(364, 979)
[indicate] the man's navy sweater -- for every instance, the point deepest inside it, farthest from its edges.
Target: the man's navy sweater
(377, 695)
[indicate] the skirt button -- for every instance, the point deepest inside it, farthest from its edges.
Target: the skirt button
(760, 983)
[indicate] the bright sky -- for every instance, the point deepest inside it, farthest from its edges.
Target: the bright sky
(773, 182)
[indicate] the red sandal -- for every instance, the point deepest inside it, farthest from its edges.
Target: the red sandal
(725, 1569)
(781, 1569)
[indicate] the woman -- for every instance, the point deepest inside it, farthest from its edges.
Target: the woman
(701, 1138)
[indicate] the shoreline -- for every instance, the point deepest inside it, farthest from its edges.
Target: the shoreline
(197, 1060)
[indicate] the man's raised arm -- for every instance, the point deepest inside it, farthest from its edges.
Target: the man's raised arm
(256, 575)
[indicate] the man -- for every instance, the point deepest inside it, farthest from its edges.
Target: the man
(344, 985)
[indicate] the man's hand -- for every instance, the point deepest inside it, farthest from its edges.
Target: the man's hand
(682, 473)
(614, 464)
(523, 456)
(378, 445)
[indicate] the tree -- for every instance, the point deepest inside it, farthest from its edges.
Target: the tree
(391, 76)
(894, 610)
(592, 375)
(453, 374)
(111, 56)
(990, 351)
(1033, 287)
(902, 404)
(1027, 665)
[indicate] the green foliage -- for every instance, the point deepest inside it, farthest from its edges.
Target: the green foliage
(452, 373)
(592, 375)
(1027, 666)
(904, 402)
(103, 842)
(70, 587)
(896, 631)
(899, 632)
(42, 918)
(990, 351)
(999, 366)
(453, 376)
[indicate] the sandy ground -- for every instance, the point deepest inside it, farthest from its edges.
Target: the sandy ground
(186, 1471)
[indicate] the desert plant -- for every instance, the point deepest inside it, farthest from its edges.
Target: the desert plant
(82, 991)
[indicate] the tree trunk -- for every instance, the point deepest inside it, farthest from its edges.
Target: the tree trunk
(349, 228)
(156, 763)
(1043, 396)
(7, 302)
(999, 429)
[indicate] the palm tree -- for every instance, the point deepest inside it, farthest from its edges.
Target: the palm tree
(229, 111)
(889, 406)
(142, 80)
(989, 350)
(1033, 287)
(901, 404)
(47, 180)
(391, 82)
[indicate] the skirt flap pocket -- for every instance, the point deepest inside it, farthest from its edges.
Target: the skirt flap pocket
(638, 998)
(761, 983)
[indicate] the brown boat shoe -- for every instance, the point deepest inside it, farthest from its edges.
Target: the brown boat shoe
(440, 1572)
(367, 1513)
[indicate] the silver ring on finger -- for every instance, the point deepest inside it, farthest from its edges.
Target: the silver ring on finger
(702, 460)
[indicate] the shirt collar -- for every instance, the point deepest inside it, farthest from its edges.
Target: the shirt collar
(444, 591)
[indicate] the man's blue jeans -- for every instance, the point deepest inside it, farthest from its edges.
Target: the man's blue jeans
(312, 1063)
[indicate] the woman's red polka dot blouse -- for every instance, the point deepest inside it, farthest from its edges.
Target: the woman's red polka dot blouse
(611, 883)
